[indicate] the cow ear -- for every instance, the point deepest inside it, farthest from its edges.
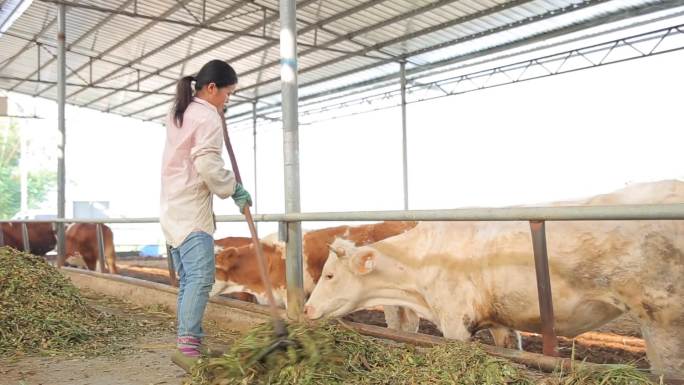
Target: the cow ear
(363, 262)
(337, 251)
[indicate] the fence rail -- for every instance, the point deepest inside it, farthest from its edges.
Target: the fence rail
(535, 215)
(541, 213)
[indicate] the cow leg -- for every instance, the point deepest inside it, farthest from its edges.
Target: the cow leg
(111, 259)
(91, 262)
(401, 318)
(665, 349)
(506, 337)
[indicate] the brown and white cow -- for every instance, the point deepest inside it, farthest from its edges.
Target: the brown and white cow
(237, 269)
(81, 245)
(224, 243)
(42, 236)
(465, 276)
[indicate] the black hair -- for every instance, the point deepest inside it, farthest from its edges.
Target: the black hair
(216, 71)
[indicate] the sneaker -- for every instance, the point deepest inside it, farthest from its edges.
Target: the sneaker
(183, 361)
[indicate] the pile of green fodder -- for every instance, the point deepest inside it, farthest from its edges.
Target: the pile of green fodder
(42, 312)
(331, 353)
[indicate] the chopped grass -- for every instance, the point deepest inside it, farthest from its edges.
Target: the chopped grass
(333, 354)
(41, 312)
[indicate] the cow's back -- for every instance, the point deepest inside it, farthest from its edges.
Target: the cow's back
(42, 236)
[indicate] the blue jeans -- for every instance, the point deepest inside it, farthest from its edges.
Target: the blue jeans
(194, 263)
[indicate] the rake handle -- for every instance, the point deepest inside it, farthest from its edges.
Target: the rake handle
(278, 323)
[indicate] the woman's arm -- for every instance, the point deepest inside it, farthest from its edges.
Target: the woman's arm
(206, 157)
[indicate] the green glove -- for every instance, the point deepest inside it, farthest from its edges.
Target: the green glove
(241, 197)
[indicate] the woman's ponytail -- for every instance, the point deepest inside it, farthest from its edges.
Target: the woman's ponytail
(183, 98)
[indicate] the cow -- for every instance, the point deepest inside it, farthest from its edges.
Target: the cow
(237, 269)
(81, 244)
(41, 236)
(465, 276)
(224, 243)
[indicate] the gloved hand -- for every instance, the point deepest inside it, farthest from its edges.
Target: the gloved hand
(241, 197)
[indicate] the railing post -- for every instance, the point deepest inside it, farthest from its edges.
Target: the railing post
(541, 266)
(172, 270)
(100, 248)
(25, 237)
(282, 231)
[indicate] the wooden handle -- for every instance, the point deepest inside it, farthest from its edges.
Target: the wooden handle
(261, 259)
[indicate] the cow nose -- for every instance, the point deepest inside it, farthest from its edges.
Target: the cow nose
(309, 311)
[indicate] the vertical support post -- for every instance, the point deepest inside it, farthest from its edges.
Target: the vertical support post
(100, 248)
(2, 235)
(39, 61)
(541, 265)
(172, 270)
(402, 72)
(61, 96)
(288, 77)
(204, 11)
(25, 237)
(254, 143)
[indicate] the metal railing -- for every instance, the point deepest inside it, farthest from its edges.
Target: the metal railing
(536, 216)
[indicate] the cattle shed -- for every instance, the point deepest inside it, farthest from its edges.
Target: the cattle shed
(298, 60)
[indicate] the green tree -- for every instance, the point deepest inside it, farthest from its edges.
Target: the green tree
(39, 181)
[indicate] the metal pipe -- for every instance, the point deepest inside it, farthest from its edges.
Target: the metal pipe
(61, 147)
(2, 236)
(105, 88)
(172, 270)
(39, 61)
(289, 92)
(25, 237)
(541, 267)
(402, 83)
(254, 142)
(100, 248)
(567, 213)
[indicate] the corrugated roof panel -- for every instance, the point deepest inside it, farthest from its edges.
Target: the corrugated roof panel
(373, 24)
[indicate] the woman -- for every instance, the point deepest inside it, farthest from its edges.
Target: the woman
(192, 171)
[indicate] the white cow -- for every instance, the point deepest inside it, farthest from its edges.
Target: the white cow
(465, 276)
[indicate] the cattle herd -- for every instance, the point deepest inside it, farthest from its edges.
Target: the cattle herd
(464, 276)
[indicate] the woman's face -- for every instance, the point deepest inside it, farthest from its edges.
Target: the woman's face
(217, 96)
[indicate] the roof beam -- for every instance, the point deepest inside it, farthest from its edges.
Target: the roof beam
(398, 18)
(311, 27)
(610, 18)
(161, 19)
(80, 39)
(185, 35)
(121, 43)
(265, 47)
(28, 45)
(72, 51)
(254, 27)
(15, 78)
(434, 28)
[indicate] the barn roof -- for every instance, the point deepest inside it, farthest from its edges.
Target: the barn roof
(124, 56)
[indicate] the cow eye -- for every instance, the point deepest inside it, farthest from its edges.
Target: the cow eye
(328, 276)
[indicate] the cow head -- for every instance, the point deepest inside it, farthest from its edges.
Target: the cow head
(346, 275)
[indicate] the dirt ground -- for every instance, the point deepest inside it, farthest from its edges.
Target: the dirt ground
(616, 342)
(144, 362)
